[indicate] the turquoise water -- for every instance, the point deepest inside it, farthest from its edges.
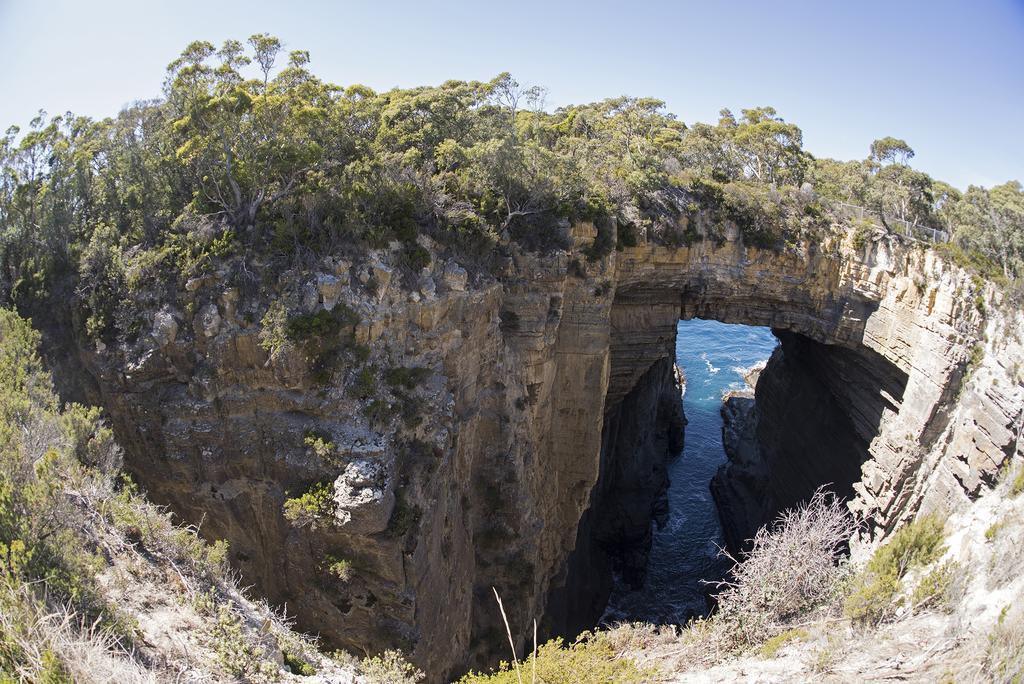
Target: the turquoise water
(713, 355)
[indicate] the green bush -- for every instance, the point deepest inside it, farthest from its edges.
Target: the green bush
(339, 567)
(934, 590)
(313, 507)
(404, 517)
(414, 258)
(307, 327)
(320, 443)
(407, 378)
(297, 665)
(590, 659)
(365, 384)
(872, 596)
(1017, 486)
(390, 667)
(771, 648)
(862, 232)
(235, 653)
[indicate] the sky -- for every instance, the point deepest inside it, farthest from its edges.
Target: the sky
(948, 77)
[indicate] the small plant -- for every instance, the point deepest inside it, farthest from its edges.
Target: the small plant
(976, 357)
(390, 667)
(935, 589)
(404, 516)
(365, 384)
(873, 594)
(1017, 485)
(273, 329)
(993, 530)
(340, 568)
(312, 507)
(320, 443)
(824, 658)
(297, 665)
(407, 378)
(771, 648)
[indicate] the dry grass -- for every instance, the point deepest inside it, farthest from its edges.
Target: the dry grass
(1004, 652)
(55, 643)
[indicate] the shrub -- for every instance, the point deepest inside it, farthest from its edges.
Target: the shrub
(321, 445)
(297, 665)
(378, 411)
(365, 384)
(236, 654)
(873, 592)
(862, 232)
(993, 530)
(389, 668)
(589, 659)
(790, 569)
(1003, 660)
(935, 590)
(273, 329)
(314, 506)
(102, 280)
(605, 242)
(771, 648)
(340, 568)
(408, 378)
(404, 516)
(307, 327)
(414, 258)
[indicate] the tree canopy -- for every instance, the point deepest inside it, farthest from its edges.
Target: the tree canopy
(249, 149)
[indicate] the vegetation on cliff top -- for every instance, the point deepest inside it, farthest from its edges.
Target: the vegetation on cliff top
(249, 153)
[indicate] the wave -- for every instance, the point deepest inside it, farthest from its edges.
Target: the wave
(711, 368)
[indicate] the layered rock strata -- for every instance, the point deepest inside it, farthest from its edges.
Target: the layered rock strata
(543, 402)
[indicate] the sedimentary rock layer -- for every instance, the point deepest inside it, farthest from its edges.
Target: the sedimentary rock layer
(544, 380)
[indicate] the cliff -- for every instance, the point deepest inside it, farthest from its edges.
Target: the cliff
(509, 429)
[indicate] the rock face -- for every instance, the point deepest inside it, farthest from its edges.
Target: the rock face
(640, 435)
(530, 458)
(817, 409)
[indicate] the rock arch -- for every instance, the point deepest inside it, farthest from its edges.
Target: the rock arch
(546, 375)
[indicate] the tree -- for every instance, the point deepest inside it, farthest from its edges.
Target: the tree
(891, 150)
(991, 223)
(247, 148)
(266, 48)
(902, 192)
(507, 94)
(770, 150)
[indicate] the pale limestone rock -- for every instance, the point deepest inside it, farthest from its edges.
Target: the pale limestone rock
(310, 297)
(428, 288)
(207, 321)
(165, 328)
(330, 290)
(455, 277)
(364, 497)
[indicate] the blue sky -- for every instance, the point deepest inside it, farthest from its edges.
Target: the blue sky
(946, 76)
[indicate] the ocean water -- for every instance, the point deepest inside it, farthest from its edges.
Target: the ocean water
(714, 356)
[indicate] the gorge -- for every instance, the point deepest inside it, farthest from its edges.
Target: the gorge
(537, 457)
